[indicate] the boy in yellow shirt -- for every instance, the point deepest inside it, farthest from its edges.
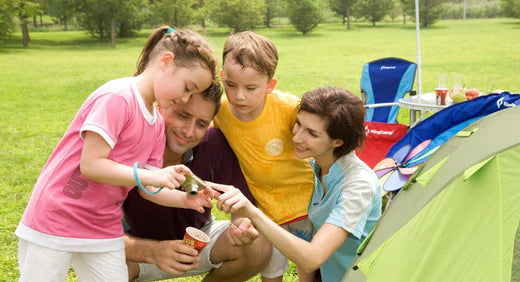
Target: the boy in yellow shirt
(258, 123)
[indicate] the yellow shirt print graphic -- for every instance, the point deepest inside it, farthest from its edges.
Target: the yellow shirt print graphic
(274, 147)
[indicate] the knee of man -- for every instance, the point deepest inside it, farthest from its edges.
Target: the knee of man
(260, 253)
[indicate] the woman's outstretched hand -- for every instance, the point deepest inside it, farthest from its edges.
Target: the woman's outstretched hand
(231, 200)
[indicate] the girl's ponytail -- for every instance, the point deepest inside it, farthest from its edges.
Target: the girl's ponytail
(187, 46)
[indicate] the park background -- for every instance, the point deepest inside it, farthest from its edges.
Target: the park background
(43, 84)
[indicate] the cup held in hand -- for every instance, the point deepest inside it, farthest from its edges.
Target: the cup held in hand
(195, 238)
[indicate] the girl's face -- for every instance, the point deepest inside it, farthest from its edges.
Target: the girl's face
(245, 89)
(176, 84)
(311, 138)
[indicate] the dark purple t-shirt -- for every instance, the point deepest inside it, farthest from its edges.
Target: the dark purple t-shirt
(213, 160)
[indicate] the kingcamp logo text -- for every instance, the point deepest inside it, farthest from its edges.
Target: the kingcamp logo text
(377, 132)
(501, 102)
(388, 67)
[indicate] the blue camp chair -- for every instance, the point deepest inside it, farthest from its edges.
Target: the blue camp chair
(422, 140)
(383, 83)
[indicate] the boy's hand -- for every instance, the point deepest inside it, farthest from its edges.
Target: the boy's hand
(200, 200)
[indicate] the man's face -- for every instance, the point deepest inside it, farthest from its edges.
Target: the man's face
(187, 123)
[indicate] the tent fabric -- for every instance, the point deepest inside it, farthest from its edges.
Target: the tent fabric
(386, 80)
(444, 124)
(454, 228)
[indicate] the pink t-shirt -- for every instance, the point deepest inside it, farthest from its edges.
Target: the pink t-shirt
(63, 202)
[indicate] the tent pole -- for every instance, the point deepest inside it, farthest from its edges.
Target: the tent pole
(418, 40)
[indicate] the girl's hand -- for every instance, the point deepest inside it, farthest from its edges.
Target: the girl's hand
(200, 200)
(169, 177)
(232, 200)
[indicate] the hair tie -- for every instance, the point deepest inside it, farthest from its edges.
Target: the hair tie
(170, 30)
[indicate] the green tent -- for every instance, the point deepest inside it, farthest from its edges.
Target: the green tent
(457, 219)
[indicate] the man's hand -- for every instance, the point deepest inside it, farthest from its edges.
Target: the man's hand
(241, 232)
(174, 257)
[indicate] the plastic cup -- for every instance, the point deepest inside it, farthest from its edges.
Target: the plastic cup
(195, 238)
(440, 96)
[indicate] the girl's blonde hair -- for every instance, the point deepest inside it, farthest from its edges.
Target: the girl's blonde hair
(188, 47)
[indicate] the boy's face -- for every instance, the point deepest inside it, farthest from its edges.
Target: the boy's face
(245, 89)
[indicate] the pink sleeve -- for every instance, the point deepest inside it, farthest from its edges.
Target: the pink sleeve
(107, 116)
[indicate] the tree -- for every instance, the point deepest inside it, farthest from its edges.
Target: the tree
(429, 10)
(343, 8)
(511, 8)
(25, 11)
(305, 15)
(60, 9)
(7, 13)
(272, 10)
(102, 17)
(239, 15)
(373, 10)
(178, 13)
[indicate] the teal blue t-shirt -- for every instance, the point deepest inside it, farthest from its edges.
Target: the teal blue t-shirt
(352, 202)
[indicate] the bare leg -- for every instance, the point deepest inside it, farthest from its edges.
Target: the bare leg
(277, 279)
(305, 277)
(133, 270)
(239, 262)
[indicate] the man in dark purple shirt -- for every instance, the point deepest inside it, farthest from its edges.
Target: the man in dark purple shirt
(153, 239)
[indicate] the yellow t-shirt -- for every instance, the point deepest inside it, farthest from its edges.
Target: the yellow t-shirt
(281, 183)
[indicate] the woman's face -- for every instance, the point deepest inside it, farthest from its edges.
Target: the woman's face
(311, 138)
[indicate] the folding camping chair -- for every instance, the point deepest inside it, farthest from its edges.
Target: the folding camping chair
(383, 83)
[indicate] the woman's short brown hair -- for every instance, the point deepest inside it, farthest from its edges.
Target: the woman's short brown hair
(343, 112)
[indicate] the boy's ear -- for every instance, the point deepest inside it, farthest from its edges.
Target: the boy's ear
(222, 75)
(165, 60)
(270, 85)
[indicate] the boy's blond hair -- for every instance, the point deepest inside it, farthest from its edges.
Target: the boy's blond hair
(251, 50)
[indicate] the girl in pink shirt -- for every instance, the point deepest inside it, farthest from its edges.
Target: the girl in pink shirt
(74, 214)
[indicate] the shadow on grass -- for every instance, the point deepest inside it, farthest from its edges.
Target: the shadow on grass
(80, 41)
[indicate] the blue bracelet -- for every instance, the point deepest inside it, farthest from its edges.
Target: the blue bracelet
(136, 164)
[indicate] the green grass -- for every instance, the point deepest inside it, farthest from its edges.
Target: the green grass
(43, 86)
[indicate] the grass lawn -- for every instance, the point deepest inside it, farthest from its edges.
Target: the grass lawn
(43, 86)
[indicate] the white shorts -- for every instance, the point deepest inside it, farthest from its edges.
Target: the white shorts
(279, 263)
(38, 263)
(214, 229)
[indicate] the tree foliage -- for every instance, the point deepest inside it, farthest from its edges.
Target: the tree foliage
(342, 8)
(511, 8)
(305, 15)
(7, 14)
(273, 9)
(178, 13)
(373, 10)
(239, 15)
(61, 9)
(429, 10)
(103, 17)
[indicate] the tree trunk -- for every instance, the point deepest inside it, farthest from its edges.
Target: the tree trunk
(203, 23)
(25, 35)
(65, 26)
(113, 32)
(404, 18)
(41, 20)
(35, 23)
(348, 19)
